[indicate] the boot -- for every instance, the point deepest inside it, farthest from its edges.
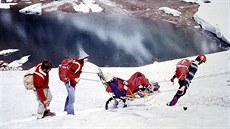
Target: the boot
(173, 101)
(48, 113)
(156, 87)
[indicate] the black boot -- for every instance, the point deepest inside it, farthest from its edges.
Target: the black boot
(48, 113)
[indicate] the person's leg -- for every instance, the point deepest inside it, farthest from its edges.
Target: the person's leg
(49, 97)
(48, 94)
(71, 99)
(41, 107)
(66, 103)
(67, 99)
(178, 94)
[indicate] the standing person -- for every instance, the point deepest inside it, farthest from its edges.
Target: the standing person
(186, 80)
(73, 75)
(42, 91)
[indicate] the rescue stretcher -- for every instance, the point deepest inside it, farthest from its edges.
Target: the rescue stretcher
(121, 102)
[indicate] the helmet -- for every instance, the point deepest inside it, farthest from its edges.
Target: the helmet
(108, 77)
(201, 58)
(82, 54)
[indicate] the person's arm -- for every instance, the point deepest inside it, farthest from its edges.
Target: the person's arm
(173, 78)
(192, 71)
(41, 94)
(38, 84)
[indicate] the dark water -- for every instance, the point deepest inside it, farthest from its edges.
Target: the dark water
(109, 40)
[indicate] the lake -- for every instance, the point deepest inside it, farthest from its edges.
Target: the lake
(110, 40)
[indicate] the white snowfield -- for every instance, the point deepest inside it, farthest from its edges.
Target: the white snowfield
(85, 6)
(215, 17)
(207, 100)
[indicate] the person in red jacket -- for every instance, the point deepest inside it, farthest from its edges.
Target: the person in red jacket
(42, 91)
(185, 83)
(73, 75)
(132, 87)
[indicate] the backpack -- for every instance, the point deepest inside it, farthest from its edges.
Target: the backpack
(63, 67)
(182, 68)
(28, 78)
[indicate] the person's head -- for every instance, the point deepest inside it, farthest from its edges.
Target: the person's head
(201, 58)
(108, 77)
(83, 56)
(46, 66)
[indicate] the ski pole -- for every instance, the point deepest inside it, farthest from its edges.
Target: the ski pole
(90, 79)
(163, 81)
(89, 72)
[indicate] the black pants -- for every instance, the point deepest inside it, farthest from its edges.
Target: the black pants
(181, 93)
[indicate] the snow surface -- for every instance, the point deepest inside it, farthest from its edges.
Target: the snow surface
(6, 5)
(20, 62)
(32, 9)
(8, 51)
(207, 100)
(16, 63)
(168, 10)
(86, 6)
(215, 17)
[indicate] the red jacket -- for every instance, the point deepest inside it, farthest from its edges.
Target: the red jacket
(74, 71)
(41, 81)
(136, 80)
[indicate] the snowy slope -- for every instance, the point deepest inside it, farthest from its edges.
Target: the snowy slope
(207, 100)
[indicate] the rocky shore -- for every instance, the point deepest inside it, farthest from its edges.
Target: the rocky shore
(149, 9)
(137, 8)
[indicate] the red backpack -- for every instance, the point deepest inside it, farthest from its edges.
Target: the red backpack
(182, 68)
(63, 67)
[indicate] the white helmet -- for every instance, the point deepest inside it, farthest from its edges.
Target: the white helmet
(82, 54)
(108, 77)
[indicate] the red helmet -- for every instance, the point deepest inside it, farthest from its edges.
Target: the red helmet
(201, 58)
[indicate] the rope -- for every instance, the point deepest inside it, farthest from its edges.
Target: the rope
(164, 81)
(90, 79)
(89, 72)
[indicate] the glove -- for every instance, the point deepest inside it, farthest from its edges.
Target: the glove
(46, 103)
(125, 83)
(125, 87)
(77, 80)
(140, 87)
(172, 80)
